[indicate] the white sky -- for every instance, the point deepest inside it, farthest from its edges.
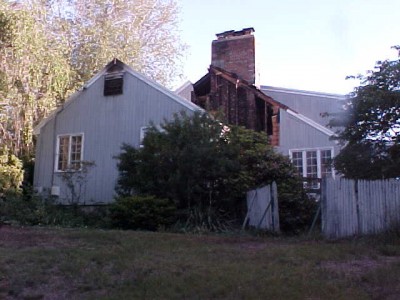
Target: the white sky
(301, 44)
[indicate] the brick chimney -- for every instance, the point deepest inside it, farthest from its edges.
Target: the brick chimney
(234, 51)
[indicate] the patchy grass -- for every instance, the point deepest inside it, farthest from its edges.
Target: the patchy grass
(43, 263)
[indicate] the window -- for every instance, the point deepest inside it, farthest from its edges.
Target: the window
(70, 152)
(113, 84)
(326, 163)
(312, 163)
(142, 135)
(297, 159)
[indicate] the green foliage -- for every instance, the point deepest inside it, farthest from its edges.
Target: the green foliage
(142, 212)
(186, 161)
(366, 160)
(203, 166)
(24, 210)
(372, 128)
(11, 173)
(296, 208)
(33, 210)
(35, 73)
(49, 48)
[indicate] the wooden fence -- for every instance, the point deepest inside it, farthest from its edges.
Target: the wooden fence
(360, 207)
(262, 208)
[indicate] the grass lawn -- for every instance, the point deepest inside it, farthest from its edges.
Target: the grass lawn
(51, 263)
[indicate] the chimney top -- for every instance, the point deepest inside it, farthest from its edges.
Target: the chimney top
(234, 51)
(232, 33)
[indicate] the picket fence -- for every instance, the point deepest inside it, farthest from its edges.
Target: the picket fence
(350, 207)
(262, 208)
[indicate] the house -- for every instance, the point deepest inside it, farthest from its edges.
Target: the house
(87, 132)
(293, 119)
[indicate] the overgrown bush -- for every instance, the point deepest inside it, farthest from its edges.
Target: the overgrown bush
(22, 210)
(29, 209)
(11, 172)
(296, 208)
(203, 166)
(142, 212)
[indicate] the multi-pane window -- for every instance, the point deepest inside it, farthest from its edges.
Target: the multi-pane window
(312, 163)
(326, 163)
(70, 150)
(297, 159)
(63, 150)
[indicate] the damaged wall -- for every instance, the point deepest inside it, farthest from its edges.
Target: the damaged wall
(229, 88)
(239, 102)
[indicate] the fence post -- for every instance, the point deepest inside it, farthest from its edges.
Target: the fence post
(357, 200)
(275, 208)
(324, 204)
(246, 219)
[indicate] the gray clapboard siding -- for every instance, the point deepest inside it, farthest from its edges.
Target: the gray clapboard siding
(296, 134)
(359, 207)
(185, 91)
(44, 157)
(106, 123)
(310, 104)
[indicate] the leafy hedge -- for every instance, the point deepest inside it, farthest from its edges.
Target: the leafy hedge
(30, 209)
(142, 212)
(203, 166)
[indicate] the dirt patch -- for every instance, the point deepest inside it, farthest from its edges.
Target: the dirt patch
(361, 270)
(356, 268)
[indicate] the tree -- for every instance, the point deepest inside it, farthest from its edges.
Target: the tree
(141, 33)
(202, 165)
(48, 48)
(35, 75)
(371, 131)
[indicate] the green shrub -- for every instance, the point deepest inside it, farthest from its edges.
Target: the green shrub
(204, 166)
(296, 209)
(30, 209)
(142, 212)
(11, 172)
(16, 208)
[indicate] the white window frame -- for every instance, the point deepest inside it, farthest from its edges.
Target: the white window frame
(304, 159)
(70, 135)
(142, 134)
(143, 130)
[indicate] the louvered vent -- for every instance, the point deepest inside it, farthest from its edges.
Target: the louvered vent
(113, 84)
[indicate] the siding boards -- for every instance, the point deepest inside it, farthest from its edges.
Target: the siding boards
(363, 207)
(310, 104)
(44, 159)
(295, 134)
(107, 123)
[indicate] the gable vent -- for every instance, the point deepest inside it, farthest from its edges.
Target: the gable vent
(113, 84)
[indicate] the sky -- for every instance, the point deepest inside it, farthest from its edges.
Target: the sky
(301, 44)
